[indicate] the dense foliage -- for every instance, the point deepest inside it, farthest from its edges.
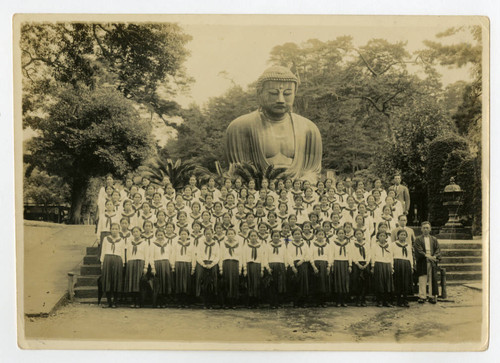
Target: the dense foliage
(83, 84)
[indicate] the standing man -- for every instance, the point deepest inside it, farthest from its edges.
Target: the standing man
(427, 255)
(402, 193)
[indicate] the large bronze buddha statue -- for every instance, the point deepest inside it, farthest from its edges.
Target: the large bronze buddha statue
(273, 134)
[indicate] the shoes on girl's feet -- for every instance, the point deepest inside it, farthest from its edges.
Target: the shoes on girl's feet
(388, 304)
(344, 305)
(406, 304)
(379, 304)
(363, 304)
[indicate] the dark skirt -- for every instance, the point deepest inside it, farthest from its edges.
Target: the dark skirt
(112, 270)
(360, 279)
(299, 283)
(183, 277)
(163, 278)
(231, 278)
(254, 279)
(382, 278)
(278, 276)
(133, 275)
(403, 279)
(341, 277)
(322, 278)
(206, 280)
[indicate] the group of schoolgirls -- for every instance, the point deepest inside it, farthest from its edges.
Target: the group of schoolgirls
(285, 241)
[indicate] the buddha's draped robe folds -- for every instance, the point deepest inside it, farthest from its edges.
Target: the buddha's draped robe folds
(244, 138)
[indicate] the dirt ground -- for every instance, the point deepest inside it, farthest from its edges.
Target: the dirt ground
(458, 320)
(51, 250)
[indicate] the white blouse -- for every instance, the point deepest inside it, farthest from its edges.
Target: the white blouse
(114, 247)
(105, 221)
(382, 253)
(402, 252)
(183, 253)
(298, 252)
(231, 251)
(341, 250)
(207, 254)
(356, 250)
(254, 254)
(276, 253)
(160, 250)
(321, 252)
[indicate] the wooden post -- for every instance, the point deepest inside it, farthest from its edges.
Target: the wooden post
(444, 295)
(71, 285)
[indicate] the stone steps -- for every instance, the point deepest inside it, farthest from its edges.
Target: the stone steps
(461, 267)
(462, 260)
(449, 244)
(446, 260)
(464, 275)
(86, 292)
(91, 260)
(86, 283)
(460, 252)
(87, 280)
(94, 269)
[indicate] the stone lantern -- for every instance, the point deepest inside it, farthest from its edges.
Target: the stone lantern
(453, 229)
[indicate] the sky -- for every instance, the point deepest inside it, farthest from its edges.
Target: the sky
(240, 46)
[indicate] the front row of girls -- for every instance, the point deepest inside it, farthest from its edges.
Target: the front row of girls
(208, 265)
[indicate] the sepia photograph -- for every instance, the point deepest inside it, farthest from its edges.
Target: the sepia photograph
(252, 182)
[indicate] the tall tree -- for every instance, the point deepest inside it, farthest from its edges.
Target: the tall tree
(81, 87)
(466, 52)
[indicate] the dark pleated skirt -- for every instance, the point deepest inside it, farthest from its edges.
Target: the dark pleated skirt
(341, 277)
(359, 279)
(382, 278)
(183, 277)
(206, 280)
(403, 279)
(231, 278)
(133, 275)
(278, 275)
(163, 278)
(112, 270)
(299, 283)
(254, 279)
(322, 278)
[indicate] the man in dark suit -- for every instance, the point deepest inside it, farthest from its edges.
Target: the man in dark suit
(427, 256)
(402, 193)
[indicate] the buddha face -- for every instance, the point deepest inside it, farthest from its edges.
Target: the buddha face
(276, 98)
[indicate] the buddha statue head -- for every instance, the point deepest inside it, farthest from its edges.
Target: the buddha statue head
(276, 89)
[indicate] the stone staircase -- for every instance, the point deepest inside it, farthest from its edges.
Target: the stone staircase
(462, 260)
(86, 282)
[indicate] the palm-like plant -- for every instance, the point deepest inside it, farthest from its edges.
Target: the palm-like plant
(247, 171)
(178, 172)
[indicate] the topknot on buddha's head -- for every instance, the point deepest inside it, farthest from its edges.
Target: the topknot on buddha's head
(277, 73)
